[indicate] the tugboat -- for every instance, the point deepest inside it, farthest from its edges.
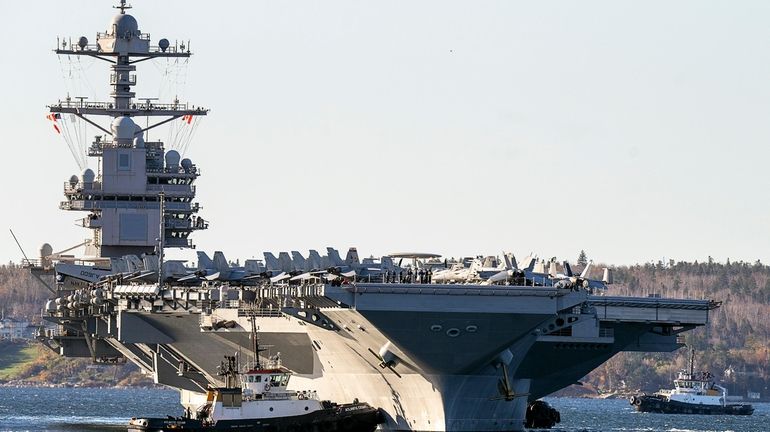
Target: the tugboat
(258, 401)
(693, 393)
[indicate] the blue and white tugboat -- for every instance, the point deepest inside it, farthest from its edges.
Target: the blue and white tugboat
(693, 393)
(258, 400)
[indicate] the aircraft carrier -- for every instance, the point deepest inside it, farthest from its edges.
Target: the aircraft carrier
(466, 345)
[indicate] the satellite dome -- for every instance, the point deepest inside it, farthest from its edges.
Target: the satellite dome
(74, 180)
(123, 25)
(83, 42)
(46, 250)
(186, 164)
(172, 159)
(123, 128)
(88, 175)
(138, 137)
(163, 44)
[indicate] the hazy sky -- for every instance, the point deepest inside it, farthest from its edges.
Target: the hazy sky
(633, 130)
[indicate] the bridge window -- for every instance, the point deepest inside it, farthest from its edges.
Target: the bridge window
(124, 161)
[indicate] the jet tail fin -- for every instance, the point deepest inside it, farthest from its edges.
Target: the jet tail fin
(510, 261)
(529, 262)
(567, 269)
(271, 262)
(253, 266)
(351, 258)
(204, 262)
(220, 262)
(586, 270)
(334, 256)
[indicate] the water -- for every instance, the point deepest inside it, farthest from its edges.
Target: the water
(72, 410)
(610, 415)
(81, 409)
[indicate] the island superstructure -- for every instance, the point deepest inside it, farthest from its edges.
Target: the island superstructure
(467, 351)
(122, 199)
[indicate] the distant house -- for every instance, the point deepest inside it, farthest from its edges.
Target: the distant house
(14, 329)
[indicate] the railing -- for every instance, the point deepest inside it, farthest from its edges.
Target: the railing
(264, 313)
(652, 303)
(173, 188)
(193, 170)
(95, 48)
(178, 242)
(104, 204)
(147, 106)
(185, 224)
(83, 104)
(105, 35)
(177, 223)
(606, 332)
(26, 262)
(52, 332)
(453, 289)
(80, 187)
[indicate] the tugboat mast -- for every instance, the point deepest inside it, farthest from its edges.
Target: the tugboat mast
(255, 341)
(692, 362)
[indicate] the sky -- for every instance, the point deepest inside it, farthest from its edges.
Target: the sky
(636, 131)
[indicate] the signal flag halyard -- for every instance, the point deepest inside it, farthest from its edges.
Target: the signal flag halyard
(188, 118)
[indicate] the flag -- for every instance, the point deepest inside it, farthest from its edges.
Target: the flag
(56, 128)
(188, 118)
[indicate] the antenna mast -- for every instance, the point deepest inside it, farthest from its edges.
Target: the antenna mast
(162, 229)
(692, 361)
(123, 6)
(255, 340)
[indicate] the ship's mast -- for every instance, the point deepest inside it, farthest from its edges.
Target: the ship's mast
(692, 362)
(255, 340)
(123, 197)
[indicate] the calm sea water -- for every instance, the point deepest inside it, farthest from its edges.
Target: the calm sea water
(68, 410)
